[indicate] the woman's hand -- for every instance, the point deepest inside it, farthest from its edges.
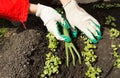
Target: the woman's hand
(79, 18)
(51, 19)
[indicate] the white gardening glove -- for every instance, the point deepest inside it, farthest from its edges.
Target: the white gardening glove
(51, 17)
(80, 19)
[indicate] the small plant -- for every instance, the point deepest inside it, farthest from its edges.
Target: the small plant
(51, 65)
(114, 33)
(52, 61)
(99, 5)
(110, 20)
(3, 31)
(52, 42)
(90, 58)
(88, 53)
(116, 55)
(106, 6)
(93, 72)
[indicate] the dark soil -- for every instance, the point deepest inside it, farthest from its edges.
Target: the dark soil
(22, 52)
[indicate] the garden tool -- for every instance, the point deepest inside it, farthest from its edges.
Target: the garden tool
(69, 46)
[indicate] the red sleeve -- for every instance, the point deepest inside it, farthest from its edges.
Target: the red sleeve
(16, 10)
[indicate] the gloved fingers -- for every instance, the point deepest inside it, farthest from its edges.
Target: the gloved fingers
(52, 27)
(97, 27)
(57, 34)
(97, 24)
(89, 35)
(64, 23)
(94, 30)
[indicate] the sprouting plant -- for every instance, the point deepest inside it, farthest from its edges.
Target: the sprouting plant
(88, 53)
(52, 61)
(69, 46)
(110, 20)
(93, 72)
(114, 33)
(116, 55)
(117, 62)
(52, 42)
(90, 58)
(3, 31)
(106, 6)
(99, 5)
(51, 65)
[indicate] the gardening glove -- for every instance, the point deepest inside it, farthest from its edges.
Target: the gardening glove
(51, 19)
(79, 18)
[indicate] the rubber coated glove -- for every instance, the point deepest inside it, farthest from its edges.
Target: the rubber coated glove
(51, 19)
(79, 18)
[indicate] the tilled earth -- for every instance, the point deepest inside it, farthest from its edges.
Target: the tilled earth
(22, 52)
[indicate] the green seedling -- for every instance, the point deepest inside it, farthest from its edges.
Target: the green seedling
(117, 63)
(93, 72)
(114, 33)
(3, 31)
(52, 60)
(88, 53)
(116, 55)
(51, 65)
(110, 21)
(107, 6)
(52, 41)
(90, 58)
